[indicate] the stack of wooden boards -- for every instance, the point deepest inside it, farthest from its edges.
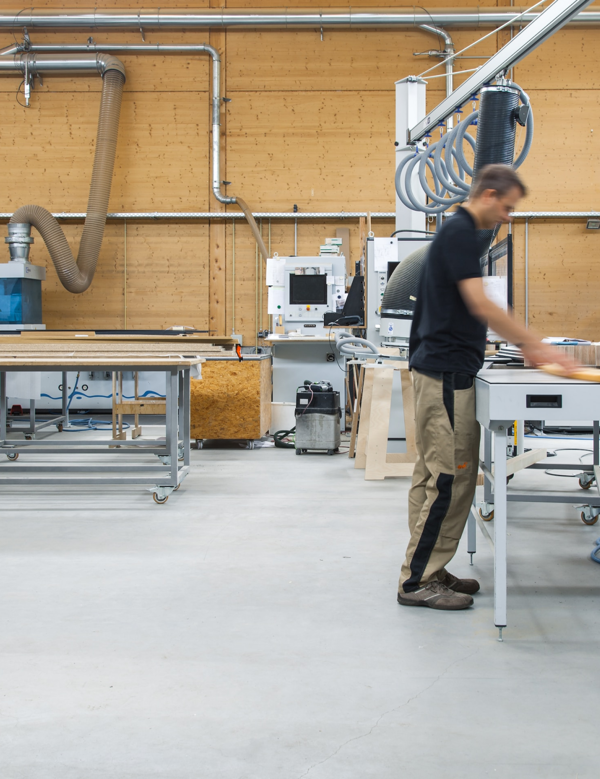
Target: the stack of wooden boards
(232, 400)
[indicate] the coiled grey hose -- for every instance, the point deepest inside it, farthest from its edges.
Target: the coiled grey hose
(77, 276)
(450, 186)
(352, 346)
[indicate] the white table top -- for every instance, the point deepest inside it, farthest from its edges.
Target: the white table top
(524, 376)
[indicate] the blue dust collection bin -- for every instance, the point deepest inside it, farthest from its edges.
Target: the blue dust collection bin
(20, 301)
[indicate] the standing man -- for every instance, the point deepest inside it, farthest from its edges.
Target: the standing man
(447, 347)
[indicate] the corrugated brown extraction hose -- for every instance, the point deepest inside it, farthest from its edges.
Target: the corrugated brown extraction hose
(77, 276)
(253, 226)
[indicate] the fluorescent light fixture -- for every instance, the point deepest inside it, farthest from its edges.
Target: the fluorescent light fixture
(593, 224)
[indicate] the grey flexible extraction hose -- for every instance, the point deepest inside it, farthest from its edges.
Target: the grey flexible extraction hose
(77, 276)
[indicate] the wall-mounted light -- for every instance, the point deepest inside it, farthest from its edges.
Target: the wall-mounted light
(593, 224)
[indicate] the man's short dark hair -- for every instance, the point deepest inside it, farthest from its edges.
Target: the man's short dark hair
(500, 178)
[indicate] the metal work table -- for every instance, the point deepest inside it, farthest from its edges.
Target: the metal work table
(503, 396)
(173, 452)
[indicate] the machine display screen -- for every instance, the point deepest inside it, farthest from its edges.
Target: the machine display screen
(308, 289)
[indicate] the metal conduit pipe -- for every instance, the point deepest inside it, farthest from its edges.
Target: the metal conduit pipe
(77, 276)
(447, 53)
(165, 18)
(305, 215)
(216, 102)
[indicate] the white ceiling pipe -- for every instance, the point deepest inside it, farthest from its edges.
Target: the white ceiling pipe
(164, 18)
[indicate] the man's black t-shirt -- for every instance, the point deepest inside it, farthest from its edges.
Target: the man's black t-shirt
(445, 337)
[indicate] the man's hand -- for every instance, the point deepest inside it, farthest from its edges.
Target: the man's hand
(540, 353)
(528, 341)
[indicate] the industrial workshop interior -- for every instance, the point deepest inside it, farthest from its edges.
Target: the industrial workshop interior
(299, 327)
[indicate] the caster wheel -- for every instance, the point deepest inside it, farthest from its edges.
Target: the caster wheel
(199, 444)
(330, 452)
(508, 478)
(176, 488)
(585, 485)
(59, 427)
(298, 451)
(28, 438)
(590, 520)
(13, 456)
(159, 500)
(486, 517)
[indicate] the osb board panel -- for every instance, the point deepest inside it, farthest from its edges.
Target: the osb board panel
(47, 152)
(228, 401)
(562, 292)
(167, 275)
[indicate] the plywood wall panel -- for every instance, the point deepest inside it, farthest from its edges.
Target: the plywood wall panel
(347, 60)
(327, 151)
(311, 122)
(562, 292)
(167, 283)
(47, 152)
(102, 305)
(563, 168)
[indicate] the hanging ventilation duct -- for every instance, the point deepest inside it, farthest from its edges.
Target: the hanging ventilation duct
(77, 276)
(400, 294)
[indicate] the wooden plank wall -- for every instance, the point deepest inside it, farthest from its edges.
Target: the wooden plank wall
(311, 123)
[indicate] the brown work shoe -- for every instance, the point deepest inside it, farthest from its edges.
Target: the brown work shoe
(464, 586)
(435, 595)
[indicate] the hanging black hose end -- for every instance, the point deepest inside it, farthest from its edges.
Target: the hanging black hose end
(521, 114)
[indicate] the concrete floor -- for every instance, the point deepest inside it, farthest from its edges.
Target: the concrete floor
(248, 629)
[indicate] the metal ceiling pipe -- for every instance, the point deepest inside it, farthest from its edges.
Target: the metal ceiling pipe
(35, 64)
(449, 50)
(164, 18)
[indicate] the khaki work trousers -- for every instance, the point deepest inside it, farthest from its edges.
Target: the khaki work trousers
(444, 479)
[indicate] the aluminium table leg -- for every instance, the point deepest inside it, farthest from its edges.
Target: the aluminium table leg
(171, 424)
(597, 444)
(65, 399)
(3, 410)
(185, 403)
(472, 529)
(487, 459)
(500, 529)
